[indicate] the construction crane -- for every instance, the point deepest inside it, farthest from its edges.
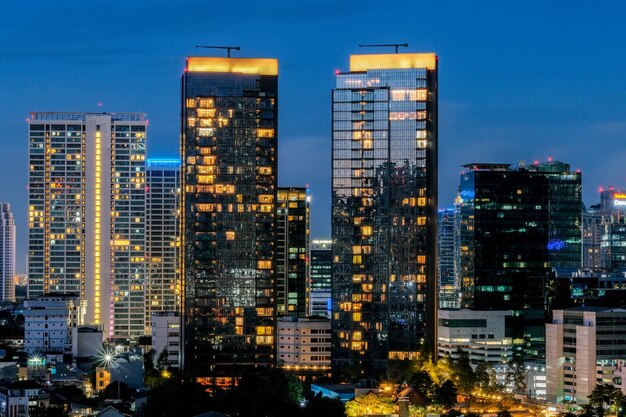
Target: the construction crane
(383, 45)
(228, 48)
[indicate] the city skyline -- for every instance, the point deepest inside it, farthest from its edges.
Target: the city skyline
(526, 89)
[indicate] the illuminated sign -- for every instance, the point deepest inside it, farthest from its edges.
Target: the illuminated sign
(556, 245)
(619, 199)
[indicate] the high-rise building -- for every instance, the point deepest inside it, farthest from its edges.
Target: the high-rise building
(591, 237)
(7, 253)
(87, 214)
(162, 236)
(585, 346)
(446, 256)
(320, 281)
(384, 210)
(613, 229)
(517, 223)
(229, 162)
(292, 251)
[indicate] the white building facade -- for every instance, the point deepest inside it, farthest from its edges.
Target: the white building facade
(166, 336)
(49, 321)
(303, 343)
(7, 253)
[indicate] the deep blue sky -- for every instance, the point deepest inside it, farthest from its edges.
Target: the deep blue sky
(518, 80)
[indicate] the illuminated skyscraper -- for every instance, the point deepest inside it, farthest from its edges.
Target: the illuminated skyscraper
(7, 253)
(384, 210)
(162, 236)
(446, 256)
(229, 154)
(292, 252)
(87, 214)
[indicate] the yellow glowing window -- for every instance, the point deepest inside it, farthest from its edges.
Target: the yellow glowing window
(421, 115)
(357, 278)
(356, 250)
(191, 103)
(357, 336)
(265, 170)
(264, 330)
(357, 135)
(206, 103)
(205, 112)
(421, 259)
(204, 207)
(265, 133)
(421, 279)
(368, 144)
(264, 312)
(264, 264)
(356, 259)
(421, 220)
(421, 201)
(266, 198)
(230, 235)
(267, 208)
(356, 316)
(366, 230)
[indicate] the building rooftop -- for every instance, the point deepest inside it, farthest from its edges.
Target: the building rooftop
(260, 66)
(392, 61)
(76, 116)
(596, 309)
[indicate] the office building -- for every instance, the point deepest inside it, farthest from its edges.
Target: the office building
(292, 251)
(7, 253)
(162, 236)
(87, 214)
(229, 160)
(613, 229)
(384, 210)
(517, 224)
(303, 343)
(166, 337)
(481, 335)
(320, 280)
(447, 258)
(48, 322)
(585, 346)
(591, 237)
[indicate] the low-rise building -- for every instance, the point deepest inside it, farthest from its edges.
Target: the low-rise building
(166, 336)
(303, 343)
(48, 322)
(585, 346)
(87, 341)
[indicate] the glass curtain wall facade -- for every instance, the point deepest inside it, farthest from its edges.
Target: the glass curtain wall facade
(292, 251)
(446, 256)
(384, 210)
(7, 253)
(229, 175)
(87, 214)
(162, 236)
(320, 282)
(516, 225)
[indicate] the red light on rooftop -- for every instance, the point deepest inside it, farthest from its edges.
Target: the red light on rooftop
(601, 189)
(549, 159)
(99, 104)
(578, 171)
(337, 72)
(536, 162)
(611, 188)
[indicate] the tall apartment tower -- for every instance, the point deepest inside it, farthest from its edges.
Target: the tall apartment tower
(7, 253)
(446, 256)
(87, 214)
(320, 278)
(292, 251)
(229, 182)
(162, 236)
(591, 237)
(384, 210)
(518, 223)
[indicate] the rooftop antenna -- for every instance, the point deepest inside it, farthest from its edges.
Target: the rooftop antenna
(383, 45)
(228, 48)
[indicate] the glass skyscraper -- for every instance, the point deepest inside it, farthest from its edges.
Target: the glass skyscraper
(292, 251)
(229, 162)
(162, 236)
(7, 253)
(87, 214)
(517, 224)
(384, 210)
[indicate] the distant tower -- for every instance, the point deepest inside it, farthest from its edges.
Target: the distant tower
(86, 226)
(7, 253)
(292, 251)
(320, 281)
(162, 236)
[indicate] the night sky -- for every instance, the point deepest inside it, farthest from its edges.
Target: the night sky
(517, 81)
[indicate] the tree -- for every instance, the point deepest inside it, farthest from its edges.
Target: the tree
(607, 394)
(369, 403)
(503, 413)
(322, 406)
(444, 395)
(485, 377)
(464, 373)
(516, 374)
(163, 362)
(423, 382)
